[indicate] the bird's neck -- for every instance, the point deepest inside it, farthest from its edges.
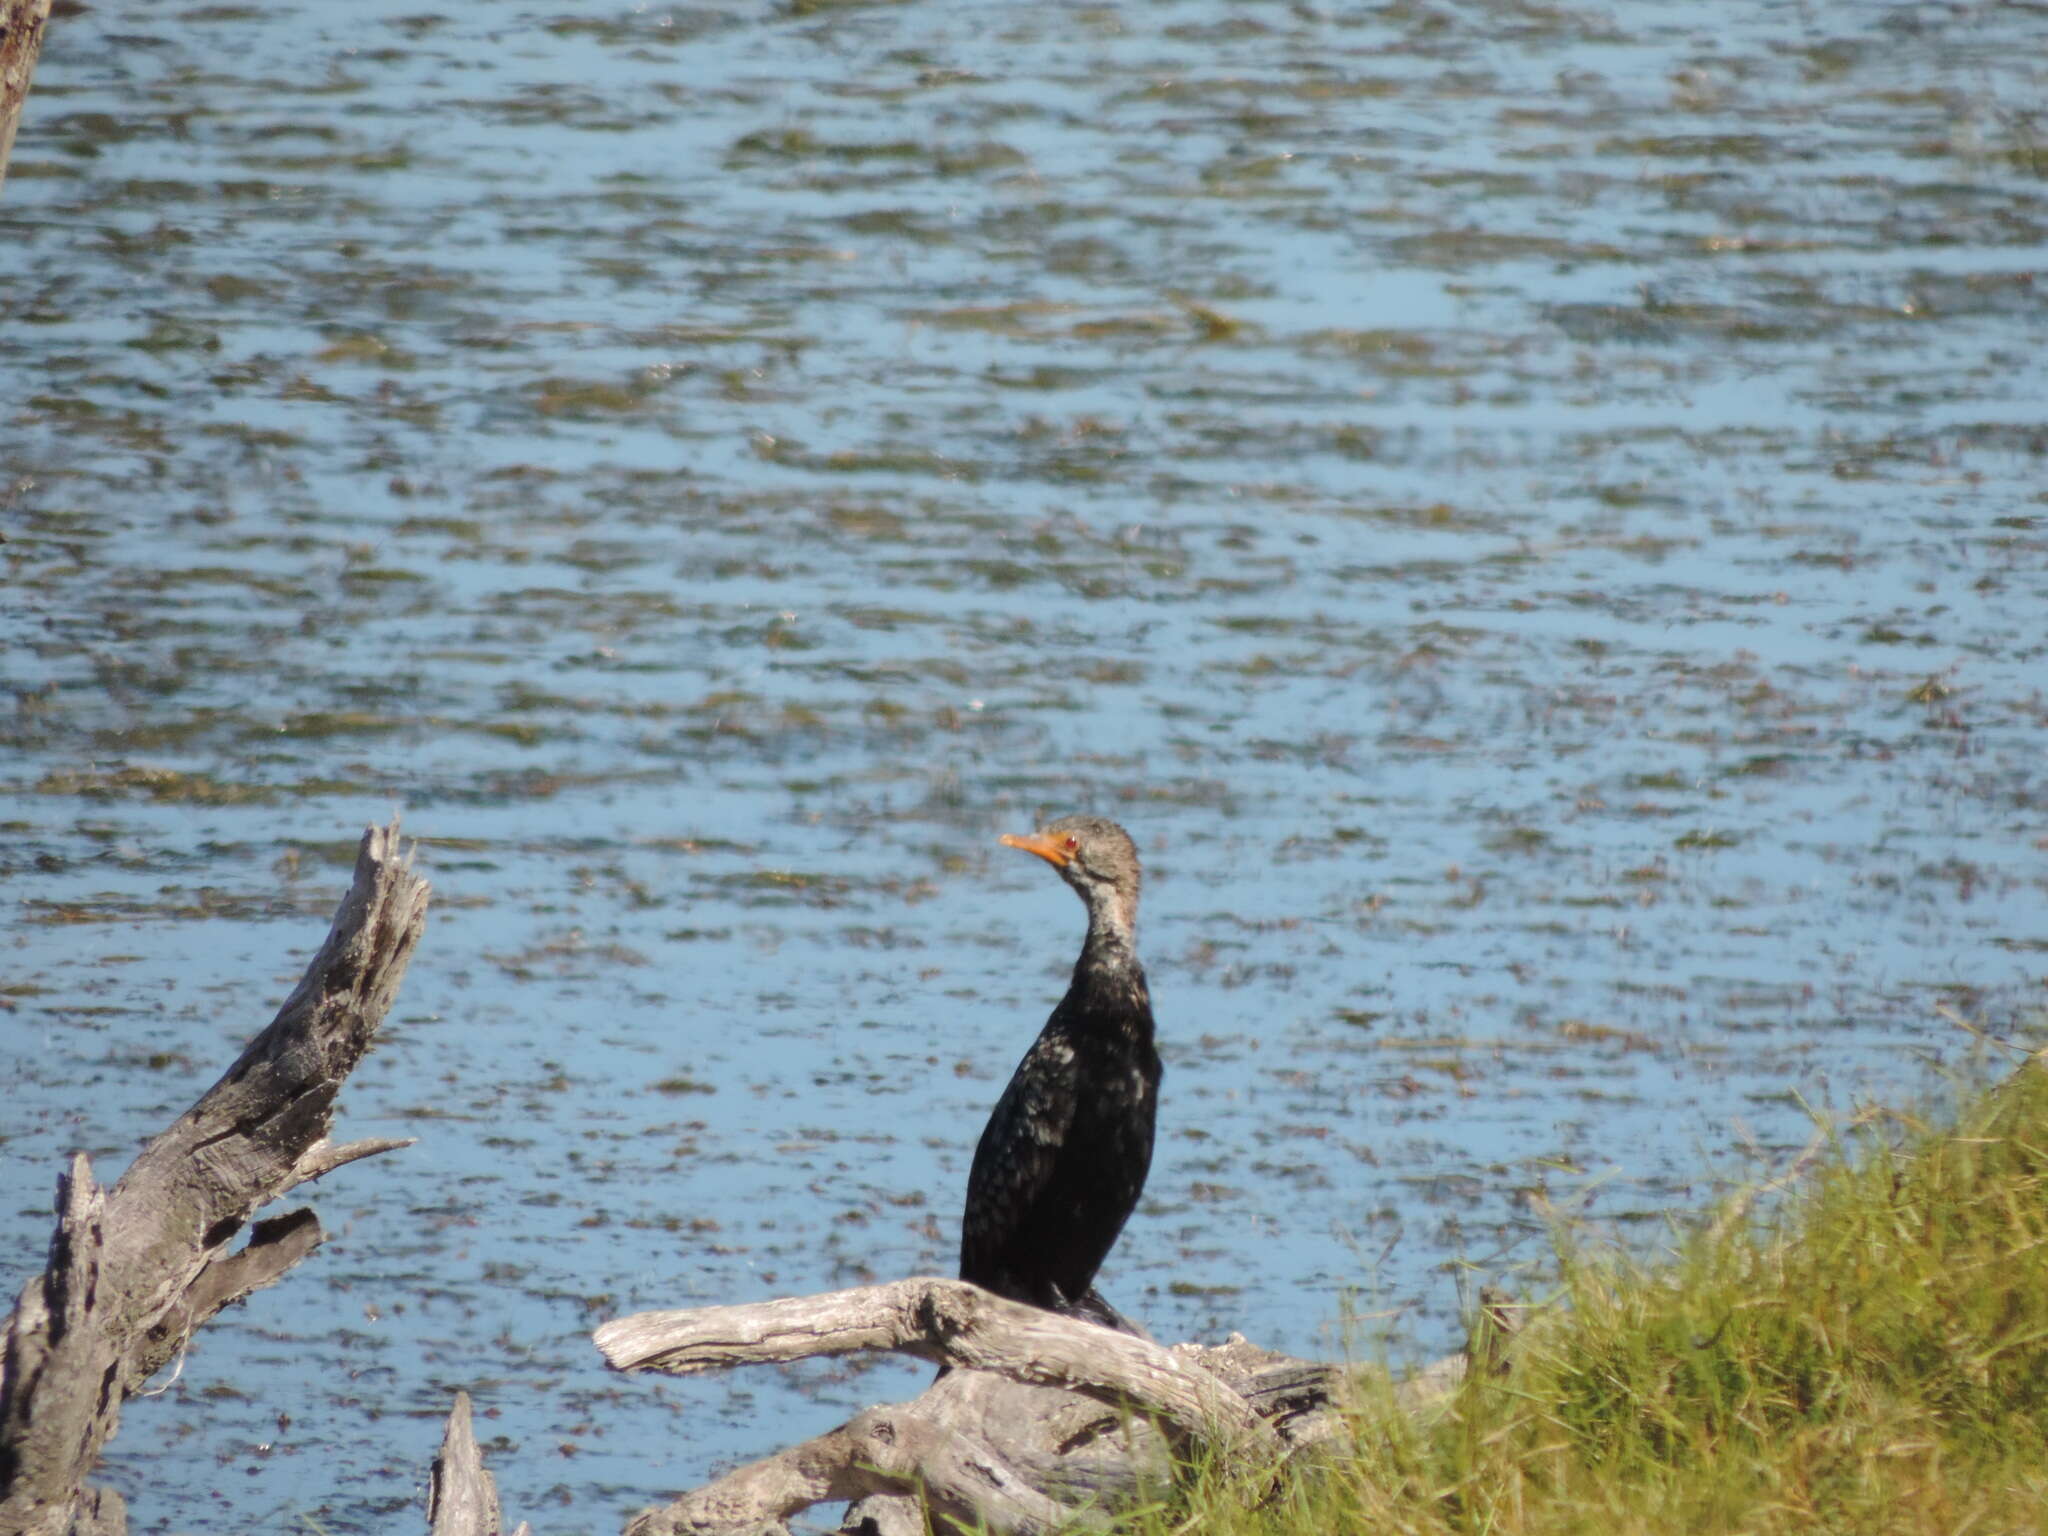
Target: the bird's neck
(1112, 942)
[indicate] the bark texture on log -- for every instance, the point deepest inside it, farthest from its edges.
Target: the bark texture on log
(951, 1323)
(1036, 1420)
(462, 1498)
(135, 1269)
(21, 40)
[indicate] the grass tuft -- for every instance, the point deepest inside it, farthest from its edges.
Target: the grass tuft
(1868, 1355)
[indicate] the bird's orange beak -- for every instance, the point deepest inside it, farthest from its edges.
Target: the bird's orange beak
(1050, 849)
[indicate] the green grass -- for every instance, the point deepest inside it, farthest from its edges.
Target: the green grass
(1868, 1355)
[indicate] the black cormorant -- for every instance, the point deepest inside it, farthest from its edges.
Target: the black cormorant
(1063, 1158)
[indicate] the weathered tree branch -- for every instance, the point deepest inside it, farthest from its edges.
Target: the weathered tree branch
(324, 1156)
(462, 1498)
(134, 1270)
(882, 1451)
(274, 1246)
(950, 1323)
(21, 39)
(1037, 1420)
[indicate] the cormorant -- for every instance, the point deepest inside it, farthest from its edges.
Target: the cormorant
(1063, 1158)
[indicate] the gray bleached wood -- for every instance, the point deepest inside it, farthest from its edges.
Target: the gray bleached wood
(135, 1269)
(1038, 1420)
(21, 38)
(950, 1323)
(880, 1451)
(462, 1498)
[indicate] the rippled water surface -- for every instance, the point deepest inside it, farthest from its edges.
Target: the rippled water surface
(1533, 516)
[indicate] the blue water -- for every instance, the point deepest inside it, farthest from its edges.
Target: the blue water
(1534, 521)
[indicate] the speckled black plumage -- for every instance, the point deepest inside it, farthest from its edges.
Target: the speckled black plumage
(1064, 1156)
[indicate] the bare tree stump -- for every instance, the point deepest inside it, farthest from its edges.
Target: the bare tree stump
(134, 1270)
(1036, 1420)
(462, 1498)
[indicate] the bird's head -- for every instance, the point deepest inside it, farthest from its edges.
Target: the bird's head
(1095, 856)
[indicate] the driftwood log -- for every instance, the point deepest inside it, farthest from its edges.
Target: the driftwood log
(1035, 1420)
(135, 1269)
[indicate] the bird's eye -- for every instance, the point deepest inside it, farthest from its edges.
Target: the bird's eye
(1072, 842)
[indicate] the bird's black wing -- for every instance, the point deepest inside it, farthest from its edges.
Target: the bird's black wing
(1014, 1167)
